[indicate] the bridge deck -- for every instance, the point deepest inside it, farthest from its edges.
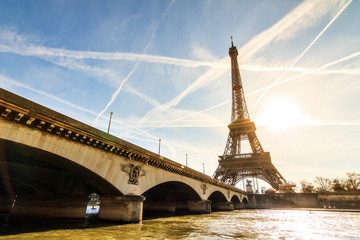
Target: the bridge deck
(31, 114)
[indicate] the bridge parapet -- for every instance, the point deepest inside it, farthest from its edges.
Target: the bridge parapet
(23, 111)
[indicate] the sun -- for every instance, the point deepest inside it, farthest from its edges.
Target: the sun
(281, 114)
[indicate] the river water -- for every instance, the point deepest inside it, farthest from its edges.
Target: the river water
(241, 224)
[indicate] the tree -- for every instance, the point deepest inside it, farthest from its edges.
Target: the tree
(349, 184)
(323, 184)
(306, 187)
(352, 183)
(338, 185)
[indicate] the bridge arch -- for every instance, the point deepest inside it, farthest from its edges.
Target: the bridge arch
(219, 202)
(172, 191)
(168, 198)
(34, 172)
(217, 197)
(235, 199)
(107, 166)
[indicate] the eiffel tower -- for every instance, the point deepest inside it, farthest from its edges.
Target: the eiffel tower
(233, 164)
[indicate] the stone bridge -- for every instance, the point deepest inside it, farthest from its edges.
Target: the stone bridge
(50, 164)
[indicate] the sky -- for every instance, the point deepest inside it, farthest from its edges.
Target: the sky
(162, 67)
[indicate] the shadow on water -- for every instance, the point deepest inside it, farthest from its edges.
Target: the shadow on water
(10, 225)
(148, 215)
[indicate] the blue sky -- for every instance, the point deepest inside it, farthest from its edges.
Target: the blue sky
(163, 68)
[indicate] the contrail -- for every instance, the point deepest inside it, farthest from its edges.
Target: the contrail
(303, 53)
(177, 99)
(41, 51)
(356, 54)
(51, 54)
(190, 115)
(116, 93)
(292, 22)
(18, 44)
(254, 68)
(303, 16)
(353, 55)
(106, 74)
(209, 76)
(13, 82)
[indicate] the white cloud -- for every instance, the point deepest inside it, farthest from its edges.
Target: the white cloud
(116, 93)
(16, 83)
(291, 23)
(342, 8)
(304, 16)
(12, 42)
(202, 53)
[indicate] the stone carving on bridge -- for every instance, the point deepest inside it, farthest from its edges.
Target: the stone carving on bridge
(134, 172)
(204, 188)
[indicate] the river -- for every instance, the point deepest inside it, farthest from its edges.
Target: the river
(240, 224)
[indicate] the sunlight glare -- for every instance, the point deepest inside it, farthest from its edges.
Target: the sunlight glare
(281, 114)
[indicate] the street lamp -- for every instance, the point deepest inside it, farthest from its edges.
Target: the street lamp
(111, 113)
(159, 146)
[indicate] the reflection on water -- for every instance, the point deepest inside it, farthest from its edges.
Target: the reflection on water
(242, 224)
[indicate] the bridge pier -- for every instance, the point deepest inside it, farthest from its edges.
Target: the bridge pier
(238, 206)
(127, 208)
(222, 206)
(203, 206)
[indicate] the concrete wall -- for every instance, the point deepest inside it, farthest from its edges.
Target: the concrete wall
(340, 200)
(121, 209)
(305, 200)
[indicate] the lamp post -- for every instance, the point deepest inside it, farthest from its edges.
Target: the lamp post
(159, 146)
(111, 113)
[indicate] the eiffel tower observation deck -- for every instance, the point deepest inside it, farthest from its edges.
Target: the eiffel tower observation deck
(234, 165)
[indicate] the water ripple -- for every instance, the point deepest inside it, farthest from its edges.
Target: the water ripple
(242, 224)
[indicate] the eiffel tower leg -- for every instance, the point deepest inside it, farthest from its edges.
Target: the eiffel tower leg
(255, 143)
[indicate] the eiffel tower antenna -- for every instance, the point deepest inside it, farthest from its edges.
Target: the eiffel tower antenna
(233, 164)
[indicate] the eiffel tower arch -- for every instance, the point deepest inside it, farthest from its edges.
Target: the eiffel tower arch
(234, 165)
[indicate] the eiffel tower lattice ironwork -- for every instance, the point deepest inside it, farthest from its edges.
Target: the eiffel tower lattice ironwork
(233, 164)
